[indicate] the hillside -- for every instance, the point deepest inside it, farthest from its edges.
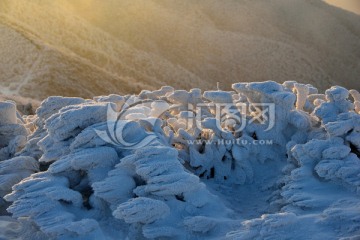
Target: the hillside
(86, 48)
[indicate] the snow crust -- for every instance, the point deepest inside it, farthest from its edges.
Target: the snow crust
(60, 179)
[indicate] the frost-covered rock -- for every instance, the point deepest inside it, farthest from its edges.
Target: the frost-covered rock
(12, 131)
(336, 103)
(52, 105)
(218, 96)
(48, 201)
(14, 170)
(269, 226)
(200, 224)
(356, 96)
(163, 173)
(71, 120)
(141, 210)
(48, 107)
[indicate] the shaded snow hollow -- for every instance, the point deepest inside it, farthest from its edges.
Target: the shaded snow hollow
(72, 172)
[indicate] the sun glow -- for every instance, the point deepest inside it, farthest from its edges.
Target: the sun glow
(350, 5)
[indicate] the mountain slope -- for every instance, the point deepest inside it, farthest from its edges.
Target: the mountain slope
(87, 48)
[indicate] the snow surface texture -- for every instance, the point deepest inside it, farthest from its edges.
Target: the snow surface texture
(85, 48)
(61, 180)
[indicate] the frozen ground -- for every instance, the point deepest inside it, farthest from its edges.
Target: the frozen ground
(151, 166)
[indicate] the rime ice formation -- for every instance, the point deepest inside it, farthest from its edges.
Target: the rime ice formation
(12, 131)
(69, 172)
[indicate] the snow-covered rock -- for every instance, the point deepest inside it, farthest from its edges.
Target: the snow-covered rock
(12, 131)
